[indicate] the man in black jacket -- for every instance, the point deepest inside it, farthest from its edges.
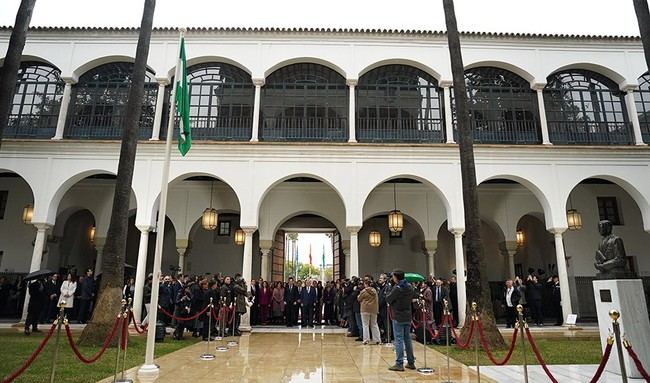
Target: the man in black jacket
(399, 298)
(511, 300)
(534, 298)
(37, 300)
(291, 298)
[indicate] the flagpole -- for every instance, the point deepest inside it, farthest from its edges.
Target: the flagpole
(149, 367)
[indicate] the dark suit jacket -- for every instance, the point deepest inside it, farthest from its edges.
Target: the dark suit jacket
(308, 299)
(514, 298)
(291, 294)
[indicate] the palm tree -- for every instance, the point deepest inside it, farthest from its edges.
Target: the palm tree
(9, 69)
(643, 16)
(110, 293)
(477, 284)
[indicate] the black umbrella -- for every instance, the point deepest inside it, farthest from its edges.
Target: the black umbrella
(38, 274)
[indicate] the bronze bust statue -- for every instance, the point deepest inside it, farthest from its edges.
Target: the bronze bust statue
(611, 261)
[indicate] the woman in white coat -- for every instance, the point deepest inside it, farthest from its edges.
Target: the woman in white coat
(68, 288)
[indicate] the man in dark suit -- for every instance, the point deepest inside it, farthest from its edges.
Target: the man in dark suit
(440, 294)
(511, 299)
(307, 302)
(453, 296)
(291, 298)
(87, 294)
(166, 298)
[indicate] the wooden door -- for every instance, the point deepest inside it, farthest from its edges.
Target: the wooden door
(336, 255)
(277, 266)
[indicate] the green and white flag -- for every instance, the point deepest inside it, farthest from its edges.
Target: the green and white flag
(183, 102)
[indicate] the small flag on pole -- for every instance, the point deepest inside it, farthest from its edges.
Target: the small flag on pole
(310, 266)
(183, 102)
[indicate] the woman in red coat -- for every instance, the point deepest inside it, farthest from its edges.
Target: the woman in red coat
(266, 295)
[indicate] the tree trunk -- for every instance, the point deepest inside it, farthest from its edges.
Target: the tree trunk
(478, 289)
(11, 64)
(110, 293)
(643, 16)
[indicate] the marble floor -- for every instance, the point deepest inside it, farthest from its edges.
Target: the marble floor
(301, 357)
(564, 373)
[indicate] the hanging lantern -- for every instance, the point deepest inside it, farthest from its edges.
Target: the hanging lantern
(28, 213)
(374, 238)
(209, 220)
(91, 234)
(240, 237)
(395, 221)
(520, 238)
(574, 219)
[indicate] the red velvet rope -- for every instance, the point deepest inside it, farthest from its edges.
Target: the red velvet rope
(93, 358)
(637, 362)
(139, 329)
(603, 363)
(539, 356)
(183, 319)
(489, 353)
(125, 333)
(463, 345)
(232, 318)
(32, 357)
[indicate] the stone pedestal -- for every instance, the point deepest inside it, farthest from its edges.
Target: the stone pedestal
(626, 296)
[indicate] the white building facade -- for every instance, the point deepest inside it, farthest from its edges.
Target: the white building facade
(331, 130)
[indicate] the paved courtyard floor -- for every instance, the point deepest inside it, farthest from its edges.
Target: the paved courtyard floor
(308, 356)
(565, 373)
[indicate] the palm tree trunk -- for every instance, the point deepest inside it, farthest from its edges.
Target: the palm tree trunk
(110, 293)
(477, 284)
(11, 63)
(643, 16)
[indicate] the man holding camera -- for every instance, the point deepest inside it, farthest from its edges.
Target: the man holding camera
(399, 298)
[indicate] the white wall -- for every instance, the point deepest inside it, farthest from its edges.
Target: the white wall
(16, 237)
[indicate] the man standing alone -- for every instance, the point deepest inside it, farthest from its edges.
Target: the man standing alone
(307, 302)
(399, 298)
(511, 298)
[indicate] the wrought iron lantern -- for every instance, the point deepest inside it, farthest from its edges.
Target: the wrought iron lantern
(210, 218)
(240, 237)
(28, 214)
(374, 238)
(91, 234)
(573, 217)
(395, 217)
(520, 238)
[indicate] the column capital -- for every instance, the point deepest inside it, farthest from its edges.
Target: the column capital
(557, 231)
(538, 86)
(259, 82)
(99, 242)
(629, 88)
(42, 226)
(266, 251)
(162, 81)
(354, 229)
(431, 245)
(445, 83)
(249, 230)
(71, 80)
(182, 243)
(351, 82)
(511, 246)
(457, 232)
(144, 228)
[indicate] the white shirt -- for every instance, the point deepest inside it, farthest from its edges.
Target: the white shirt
(508, 295)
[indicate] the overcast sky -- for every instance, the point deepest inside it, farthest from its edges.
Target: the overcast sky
(612, 17)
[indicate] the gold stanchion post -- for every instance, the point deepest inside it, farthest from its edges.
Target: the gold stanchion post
(614, 314)
(207, 355)
(478, 365)
(521, 326)
(55, 354)
(447, 324)
(125, 316)
(424, 370)
(119, 339)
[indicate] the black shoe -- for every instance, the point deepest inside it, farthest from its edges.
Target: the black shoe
(410, 366)
(359, 340)
(396, 368)
(36, 330)
(27, 331)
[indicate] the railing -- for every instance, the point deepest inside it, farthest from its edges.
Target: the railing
(505, 132)
(304, 129)
(645, 132)
(221, 128)
(589, 133)
(102, 127)
(400, 130)
(31, 126)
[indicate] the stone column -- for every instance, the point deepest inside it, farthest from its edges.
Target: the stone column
(346, 257)
(511, 249)
(63, 109)
(449, 117)
(37, 258)
(539, 88)
(259, 83)
(562, 273)
(160, 104)
(431, 248)
(460, 275)
(140, 271)
(99, 248)
(633, 115)
(247, 272)
(267, 253)
(354, 250)
(181, 247)
(352, 110)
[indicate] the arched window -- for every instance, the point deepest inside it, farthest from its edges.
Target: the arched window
(99, 99)
(502, 106)
(642, 98)
(35, 106)
(221, 102)
(584, 107)
(304, 102)
(399, 103)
